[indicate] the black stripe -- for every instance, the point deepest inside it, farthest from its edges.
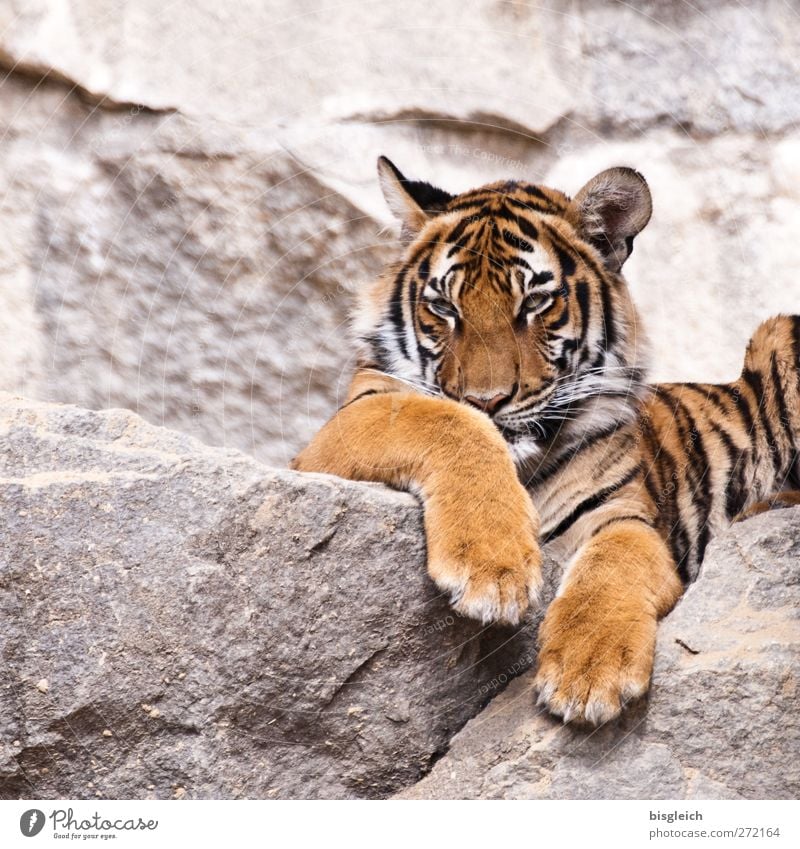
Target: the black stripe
(396, 313)
(419, 252)
(696, 477)
(381, 363)
(650, 484)
(604, 525)
(591, 503)
(565, 260)
(540, 475)
(582, 297)
(709, 392)
(427, 329)
(756, 383)
(703, 505)
(568, 347)
(704, 389)
(530, 206)
(588, 258)
(421, 327)
(669, 517)
(526, 227)
(735, 494)
(599, 359)
(527, 398)
(536, 192)
(609, 325)
(476, 202)
(519, 262)
(563, 250)
(743, 409)
(654, 470)
(662, 392)
(539, 278)
(783, 411)
(515, 241)
(600, 272)
(562, 319)
(455, 234)
(737, 490)
(363, 395)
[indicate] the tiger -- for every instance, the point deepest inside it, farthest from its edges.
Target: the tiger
(501, 377)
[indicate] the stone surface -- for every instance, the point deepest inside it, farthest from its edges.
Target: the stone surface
(198, 276)
(515, 65)
(272, 64)
(181, 621)
(699, 66)
(189, 247)
(721, 719)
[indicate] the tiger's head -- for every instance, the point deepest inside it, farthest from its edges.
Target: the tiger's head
(510, 298)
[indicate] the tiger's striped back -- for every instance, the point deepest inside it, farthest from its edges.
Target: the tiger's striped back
(697, 456)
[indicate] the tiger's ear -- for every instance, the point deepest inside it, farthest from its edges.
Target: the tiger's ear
(413, 202)
(614, 207)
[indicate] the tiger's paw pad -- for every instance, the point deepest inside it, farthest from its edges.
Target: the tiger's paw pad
(492, 593)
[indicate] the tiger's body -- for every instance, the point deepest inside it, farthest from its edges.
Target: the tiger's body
(697, 456)
(500, 378)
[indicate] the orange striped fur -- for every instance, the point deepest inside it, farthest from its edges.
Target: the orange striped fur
(501, 378)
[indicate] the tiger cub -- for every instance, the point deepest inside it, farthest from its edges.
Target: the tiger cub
(500, 378)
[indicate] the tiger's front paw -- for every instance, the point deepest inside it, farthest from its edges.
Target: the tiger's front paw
(590, 664)
(483, 545)
(491, 570)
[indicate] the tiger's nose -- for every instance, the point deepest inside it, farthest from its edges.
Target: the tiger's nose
(488, 405)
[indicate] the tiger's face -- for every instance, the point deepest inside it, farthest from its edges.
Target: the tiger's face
(509, 298)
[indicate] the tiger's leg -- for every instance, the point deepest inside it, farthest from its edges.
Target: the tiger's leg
(774, 502)
(598, 637)
(481, 527)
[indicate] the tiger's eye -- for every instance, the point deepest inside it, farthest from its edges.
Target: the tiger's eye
(441, 307)
(536, 302)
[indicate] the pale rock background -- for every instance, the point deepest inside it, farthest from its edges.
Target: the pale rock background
(189, 202)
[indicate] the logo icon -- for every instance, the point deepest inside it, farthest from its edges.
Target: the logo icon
(31, 822)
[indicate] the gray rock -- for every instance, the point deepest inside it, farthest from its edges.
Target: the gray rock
(179, 620)
(721, 719)
(182, 621)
